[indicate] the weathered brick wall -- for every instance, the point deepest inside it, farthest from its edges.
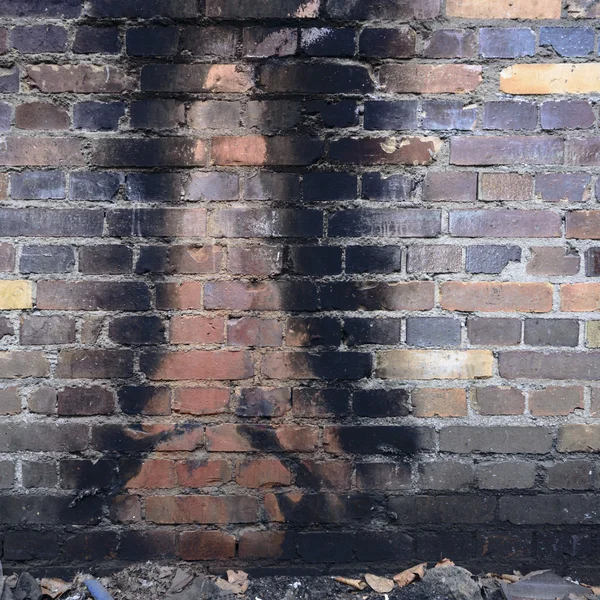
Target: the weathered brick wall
(299, 282)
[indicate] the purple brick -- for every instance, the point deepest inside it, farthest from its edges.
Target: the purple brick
(506, 42)
(514, 150)
(451, 43)
(448, 114)
(568, 41)
(448, 186)
(557, 187)
(510, 115)
(567, 114)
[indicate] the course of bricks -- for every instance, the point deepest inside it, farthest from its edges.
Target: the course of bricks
(300, 282)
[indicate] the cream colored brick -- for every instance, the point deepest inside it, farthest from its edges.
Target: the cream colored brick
(551, 79)
(504, 9)
(593, 334)
(435, 364)
(16, 294)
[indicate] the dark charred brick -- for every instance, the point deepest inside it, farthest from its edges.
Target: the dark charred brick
(434, 546)
(272, 186)
(134, 331)
(385, 223)
(210, 41)
(82, 474)
(567, 114)
(98, 116)
(375, 186)
(247, 9)
(93, 546)
(50, 510)
(143, 8)
(97, 260)
(553, 509)
(383, 476)
(310, 402)
(572, 475)
(381, 546)
(154, 187)
(315, 260)
(152, 259)
(499, 545)
(39, 474)
(378, 439)
(328, 41)
(264, 402)
(39, 38)
(94, 186)
(321, 508)
(439, 115)
(432, 331)
(135, 400)
(313, 331)
(445, 475)
(506, 42)
(371, 331)
(448, 186)
(387, 43)
(329, 186)
(391, 115)
(494, 332)
(413, 510)
(325, 365)
(315, 79)
(157, 114)
(568, 41)
(152, 41)
(373, 259)
(41, 222)
(147, 545)
(561, 545)
(47, 259)
(30, 545)
(67, 9)
(320, 547)
(388, 9)
(551, 332)
(592, 262)
(40, 330)
(561, 187)
(85, 401)
(92, 295)
(508, 114)
(92, 40)
(38, 185)
(343, 113)
(491, 259)
(381, 403)
(451, 43)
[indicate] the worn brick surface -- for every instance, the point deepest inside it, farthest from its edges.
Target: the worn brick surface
(288, 282)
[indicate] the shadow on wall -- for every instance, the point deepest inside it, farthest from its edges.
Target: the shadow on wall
(281, 162)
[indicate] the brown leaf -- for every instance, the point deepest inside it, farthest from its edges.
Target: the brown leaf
(54, 587)
(357, 584)
(445, 562)
(381, 585)
(511, 578)
(413, 574)
(236, 576)
(239, 585)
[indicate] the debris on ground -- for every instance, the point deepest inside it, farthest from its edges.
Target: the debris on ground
(441, 581)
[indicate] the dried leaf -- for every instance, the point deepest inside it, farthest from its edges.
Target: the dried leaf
(413, 574)
(511, 578)
(54, 587)
(381, 585)
(445, 562)
(239, 587)
(357, 584)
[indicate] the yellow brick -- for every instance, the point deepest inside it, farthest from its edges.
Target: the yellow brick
(593, 334)
(551, 79)
(504, 9)
(16, 294)
(435, 364)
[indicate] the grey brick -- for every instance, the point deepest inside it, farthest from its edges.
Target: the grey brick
(94, 186)
(38, 185)
(47, 259)
(551, 332)
(212, 186)
(40, 330)
(505, 475)
(491, 259)
(432, 331)
(505, 439)
(445, 475)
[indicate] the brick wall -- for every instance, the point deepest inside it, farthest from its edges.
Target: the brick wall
(300, 283)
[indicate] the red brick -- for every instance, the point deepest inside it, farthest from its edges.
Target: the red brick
(255, 260)
(197, 364)
(553, 400)
(500, 401)
(242, 438)
(202, 509)
(429, 79)
(496, 297)
(580, 297)
(153, 474)
(41, 115)
(82, 79)
(197, 330)
(183, 295)
(260, 473)
(41, 152)
(201, 401)
(583, 224)
(203, 473)
(434, 402)
(195, 259)
(206, 545)
(252, 331)
(265, 544)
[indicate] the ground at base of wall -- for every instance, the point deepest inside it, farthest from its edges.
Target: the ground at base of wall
(152, 581)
